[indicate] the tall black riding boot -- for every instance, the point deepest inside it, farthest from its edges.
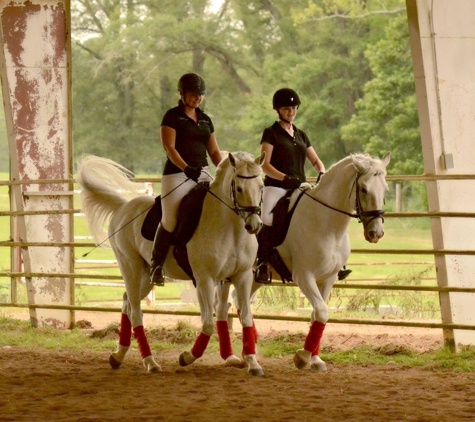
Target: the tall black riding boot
(161, 244)
(264, 237)
(344, 272)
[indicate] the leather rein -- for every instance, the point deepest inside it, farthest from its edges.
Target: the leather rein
(364, 217)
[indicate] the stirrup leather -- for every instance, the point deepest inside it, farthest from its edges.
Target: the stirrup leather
(156, 276)
(262, 274)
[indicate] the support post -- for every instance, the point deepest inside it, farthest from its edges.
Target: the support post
(35, 66)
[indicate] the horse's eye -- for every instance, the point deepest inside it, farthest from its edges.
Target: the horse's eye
(364, 190)
(239, 190)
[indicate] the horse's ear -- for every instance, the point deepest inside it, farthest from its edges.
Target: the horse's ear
(386, 159)
(260, 160)
(232, 160)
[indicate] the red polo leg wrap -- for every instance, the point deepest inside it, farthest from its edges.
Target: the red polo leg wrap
(256, 334)
(248, 341)
(316, 351)
(125, 333)
(200, 345)
(144, 347)
(225, 346)
(312, 342)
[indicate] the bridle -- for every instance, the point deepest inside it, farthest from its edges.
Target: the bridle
(237, 208)
(362, 216)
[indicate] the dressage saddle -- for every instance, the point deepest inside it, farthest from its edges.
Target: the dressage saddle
(189, 214)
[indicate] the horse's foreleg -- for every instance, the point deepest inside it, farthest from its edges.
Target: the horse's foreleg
(249, 352)
(222, 325)
(205, 290)
(125, 337)
(310, 351)
(248, 327)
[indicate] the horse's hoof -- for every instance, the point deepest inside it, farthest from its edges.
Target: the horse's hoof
(257, 372)
(114, 363)
(301, 359)
(233, 360)
(181, 360)
(318, 365)
(150, 365)
(253, 367)
(186, 358)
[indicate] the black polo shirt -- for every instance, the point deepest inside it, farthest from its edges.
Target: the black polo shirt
(192, 138)
(289, 154)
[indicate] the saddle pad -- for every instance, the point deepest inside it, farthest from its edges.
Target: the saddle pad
(152, 220)
(282, 217)
(189, 214)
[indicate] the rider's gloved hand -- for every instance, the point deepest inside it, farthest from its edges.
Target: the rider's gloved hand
(193, 173)
(290, 182)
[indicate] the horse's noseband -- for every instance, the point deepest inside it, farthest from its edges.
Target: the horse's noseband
(239, 209)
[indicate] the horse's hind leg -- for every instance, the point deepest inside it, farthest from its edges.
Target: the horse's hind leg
(222, 327)
(135, 272)
(125, 337)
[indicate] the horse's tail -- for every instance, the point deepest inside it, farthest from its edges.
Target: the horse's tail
(105, 186)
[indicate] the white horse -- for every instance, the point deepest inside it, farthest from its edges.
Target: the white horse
(317, 243)
(220, 249)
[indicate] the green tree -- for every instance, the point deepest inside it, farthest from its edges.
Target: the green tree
(386, 118)
(128, 57)
(321, 54)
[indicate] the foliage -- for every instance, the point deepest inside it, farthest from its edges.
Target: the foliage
(128, 56)
(387, 114)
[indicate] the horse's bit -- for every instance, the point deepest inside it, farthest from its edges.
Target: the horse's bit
(364, 217)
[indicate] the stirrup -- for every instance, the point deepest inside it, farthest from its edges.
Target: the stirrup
(262, 274)
(156, 276)
(342, 274)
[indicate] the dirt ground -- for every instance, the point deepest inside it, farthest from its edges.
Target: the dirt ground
(47, 385)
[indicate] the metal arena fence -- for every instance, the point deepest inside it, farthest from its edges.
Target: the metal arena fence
(354, 285)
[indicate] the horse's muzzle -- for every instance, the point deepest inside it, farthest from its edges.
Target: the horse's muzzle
(253, 223)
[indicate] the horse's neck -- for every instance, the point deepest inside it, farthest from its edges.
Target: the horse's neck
(335, 188)
(218, 207)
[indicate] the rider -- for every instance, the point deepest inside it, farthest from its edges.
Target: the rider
(187, 135)
(287, 148)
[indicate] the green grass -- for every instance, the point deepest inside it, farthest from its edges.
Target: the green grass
(21, 334)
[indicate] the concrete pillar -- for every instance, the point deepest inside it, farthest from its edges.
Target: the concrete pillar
(35, 69)
(443, 48)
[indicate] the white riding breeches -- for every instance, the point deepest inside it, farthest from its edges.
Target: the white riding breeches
(270, 197)
(172, 197)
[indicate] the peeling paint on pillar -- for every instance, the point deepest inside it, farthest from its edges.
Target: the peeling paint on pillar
(35, 45)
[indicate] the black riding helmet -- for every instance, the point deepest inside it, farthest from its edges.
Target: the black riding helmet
(192, 82)
(285, 97)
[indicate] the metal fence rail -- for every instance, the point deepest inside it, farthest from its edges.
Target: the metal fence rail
(434, 252)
